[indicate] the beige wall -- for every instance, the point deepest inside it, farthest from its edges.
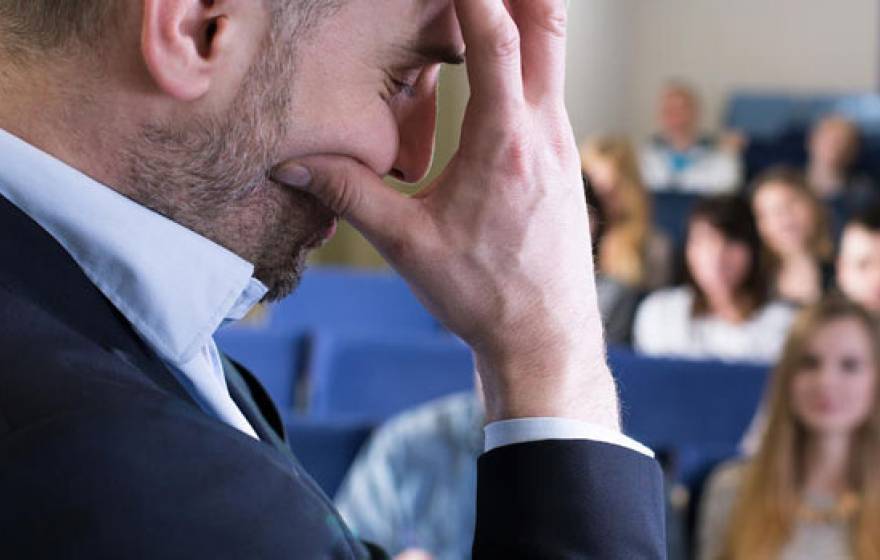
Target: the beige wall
(600, 53)
(721, 45)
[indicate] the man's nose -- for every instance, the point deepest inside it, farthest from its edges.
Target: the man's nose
(417, 124)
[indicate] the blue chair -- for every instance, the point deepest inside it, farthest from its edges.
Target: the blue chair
(274, 358)
(371, 376)
(669, 403)
(671, 214)
(350, 298)
(326, 449)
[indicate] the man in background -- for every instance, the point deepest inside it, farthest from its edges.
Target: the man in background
(680, 157)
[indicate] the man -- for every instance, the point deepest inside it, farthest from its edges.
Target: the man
(858, 260)
(679, 158)
(168, 163)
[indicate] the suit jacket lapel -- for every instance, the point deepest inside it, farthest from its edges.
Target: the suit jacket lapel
(256, 406)
(39, 269)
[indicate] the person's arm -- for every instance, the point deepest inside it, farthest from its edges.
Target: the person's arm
(369, 498)
(498, 248)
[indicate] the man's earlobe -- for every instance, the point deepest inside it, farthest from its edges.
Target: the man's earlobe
(178, 45)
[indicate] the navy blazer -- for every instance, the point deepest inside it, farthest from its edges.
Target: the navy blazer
(104, 455)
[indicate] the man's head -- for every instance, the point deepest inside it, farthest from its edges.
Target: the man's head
(679, 111)
(858, 262)
(834, 144)
(187, 105)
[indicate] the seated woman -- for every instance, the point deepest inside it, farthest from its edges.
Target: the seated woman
(630, 252)
(794, 227)
(724, 310)
(812, 490)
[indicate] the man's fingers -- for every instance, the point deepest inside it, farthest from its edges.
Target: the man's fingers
(493, 52)
(542, 28)
(351, 190)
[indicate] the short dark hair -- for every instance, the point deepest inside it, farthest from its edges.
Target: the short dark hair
(868, 219)
(732, 216)
(44, 25)
(36, 26)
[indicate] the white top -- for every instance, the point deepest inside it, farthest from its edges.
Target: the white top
(704, 170)
(665, 325)
(828, 540)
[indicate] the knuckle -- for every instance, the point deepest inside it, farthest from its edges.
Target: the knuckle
(505, 42)
(342, 196)
(552, 17)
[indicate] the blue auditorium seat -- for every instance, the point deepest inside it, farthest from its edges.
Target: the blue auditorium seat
(326, 449)
(346, 297)
(273, 357)
(671, 214)
(371, 376)
(668, 404)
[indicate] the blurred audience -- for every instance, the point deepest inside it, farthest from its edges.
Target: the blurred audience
(812, 490)
(724, 311)
(794, 227)
(680, 157)
(833, 148)
(630, 252)
(858, 260)
(412, 490)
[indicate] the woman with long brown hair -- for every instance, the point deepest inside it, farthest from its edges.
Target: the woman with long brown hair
(794, 227)
(630, 252)
(812, 490)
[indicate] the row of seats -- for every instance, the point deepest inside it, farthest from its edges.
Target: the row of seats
(335, 384)
(777, 126)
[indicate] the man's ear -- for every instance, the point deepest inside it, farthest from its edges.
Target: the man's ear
(181, 41)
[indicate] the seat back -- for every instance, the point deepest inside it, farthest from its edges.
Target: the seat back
(350, 298)
(326, 449)
(373, 375)
(274, 358)
(669, 403)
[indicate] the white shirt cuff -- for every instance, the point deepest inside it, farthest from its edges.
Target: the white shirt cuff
(523, 430)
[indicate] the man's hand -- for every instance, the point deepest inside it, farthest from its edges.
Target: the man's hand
(498, 247)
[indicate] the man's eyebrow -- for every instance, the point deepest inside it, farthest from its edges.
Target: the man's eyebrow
(428, 53)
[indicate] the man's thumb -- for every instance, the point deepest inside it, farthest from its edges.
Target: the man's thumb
(350, 189)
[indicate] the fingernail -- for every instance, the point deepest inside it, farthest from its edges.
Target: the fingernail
(294, 175)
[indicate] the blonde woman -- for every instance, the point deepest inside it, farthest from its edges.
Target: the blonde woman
(630, 252)
(812, 490)
(794, 228)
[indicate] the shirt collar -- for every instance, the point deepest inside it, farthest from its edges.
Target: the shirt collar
(174, 286)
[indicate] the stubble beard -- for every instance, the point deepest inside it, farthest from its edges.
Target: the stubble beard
(211, 174)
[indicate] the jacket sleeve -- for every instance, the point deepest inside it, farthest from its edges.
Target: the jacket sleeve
(569, 499)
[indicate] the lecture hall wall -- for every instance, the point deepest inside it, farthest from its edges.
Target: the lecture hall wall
(621, 52)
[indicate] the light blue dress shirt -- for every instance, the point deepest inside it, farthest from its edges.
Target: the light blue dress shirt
(176, 287)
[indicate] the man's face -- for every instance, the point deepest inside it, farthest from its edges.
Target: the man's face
(858, 266)
(359, 83)
(678, 113)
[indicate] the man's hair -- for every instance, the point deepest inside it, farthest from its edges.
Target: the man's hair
(868, 219)
(39, 26)
(33, 26)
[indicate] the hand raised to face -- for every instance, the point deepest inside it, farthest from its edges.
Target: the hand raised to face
(498, 246)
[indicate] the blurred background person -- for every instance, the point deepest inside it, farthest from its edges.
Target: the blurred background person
(680, 157)
(812, 490)
(833, 147)
(858, 260)
(794, 227)
(413, 487)
(724, 311)
(631, 251)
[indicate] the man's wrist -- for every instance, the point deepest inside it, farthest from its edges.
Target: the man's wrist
(581, 389)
